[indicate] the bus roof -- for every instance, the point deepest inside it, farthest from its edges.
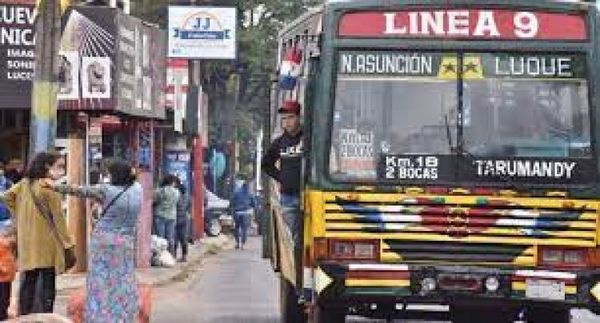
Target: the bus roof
(310, 22)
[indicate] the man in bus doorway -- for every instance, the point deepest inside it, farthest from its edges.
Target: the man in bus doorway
(287, 149)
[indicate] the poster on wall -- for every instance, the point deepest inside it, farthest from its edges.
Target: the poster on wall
(68, 76)
(95, 78)
(178, 163)
(16, 53)
(202, 32)
(95, 139)
(145, 139)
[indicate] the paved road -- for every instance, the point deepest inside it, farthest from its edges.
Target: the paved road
(235, 286)
(238, 287)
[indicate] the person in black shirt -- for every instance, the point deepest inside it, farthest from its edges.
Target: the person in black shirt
(287, 149)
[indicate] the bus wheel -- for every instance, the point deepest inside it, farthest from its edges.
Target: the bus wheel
(291, 311)
(328, 315)
(548, 315)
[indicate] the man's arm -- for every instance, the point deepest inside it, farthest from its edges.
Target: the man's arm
(269, 160)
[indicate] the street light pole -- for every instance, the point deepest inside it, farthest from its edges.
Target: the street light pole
(43, 100)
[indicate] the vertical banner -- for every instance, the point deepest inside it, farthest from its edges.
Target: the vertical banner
(95, 140)
(145, 142)
(176, 91)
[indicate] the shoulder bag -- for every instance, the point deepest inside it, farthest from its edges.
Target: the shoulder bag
(113, 201)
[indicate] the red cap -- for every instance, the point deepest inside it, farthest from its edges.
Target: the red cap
(290, 106)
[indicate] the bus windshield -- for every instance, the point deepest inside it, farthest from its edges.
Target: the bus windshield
(454, 112)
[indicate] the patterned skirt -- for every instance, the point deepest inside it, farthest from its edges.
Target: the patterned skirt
(112, 295)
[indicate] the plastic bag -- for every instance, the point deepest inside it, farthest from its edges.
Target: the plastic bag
(166, 259)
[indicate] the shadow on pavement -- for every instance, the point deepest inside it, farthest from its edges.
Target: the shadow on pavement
(238, 319)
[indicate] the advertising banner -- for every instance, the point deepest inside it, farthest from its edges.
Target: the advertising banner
(86, 59)
(178, 163)
(16, 53)
(202, 32)
(111, 61)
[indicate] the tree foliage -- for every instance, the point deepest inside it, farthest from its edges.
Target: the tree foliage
(238, 90)
(260, 22)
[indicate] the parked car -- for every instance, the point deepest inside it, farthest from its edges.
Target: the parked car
(216, 215)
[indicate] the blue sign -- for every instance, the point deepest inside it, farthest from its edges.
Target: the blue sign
(178, 163)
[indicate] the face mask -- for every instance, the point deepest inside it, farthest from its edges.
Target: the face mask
(56, 174)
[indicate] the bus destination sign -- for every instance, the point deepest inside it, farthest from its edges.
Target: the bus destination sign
(448, 168)
(474, 24)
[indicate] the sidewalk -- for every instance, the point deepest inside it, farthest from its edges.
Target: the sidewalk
(155, 276)
(158, 276)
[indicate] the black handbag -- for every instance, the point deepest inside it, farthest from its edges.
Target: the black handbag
(69, 253)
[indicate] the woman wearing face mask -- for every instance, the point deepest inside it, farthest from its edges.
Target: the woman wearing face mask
(41, 244)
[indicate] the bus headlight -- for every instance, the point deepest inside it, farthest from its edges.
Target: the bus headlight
(428, 285)
(492, 284)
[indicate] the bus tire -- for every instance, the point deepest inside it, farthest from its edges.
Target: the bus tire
(548, 315)
(328, 315)
(291, 311)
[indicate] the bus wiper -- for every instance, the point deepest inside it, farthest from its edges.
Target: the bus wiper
(448, 133)
(461, 152)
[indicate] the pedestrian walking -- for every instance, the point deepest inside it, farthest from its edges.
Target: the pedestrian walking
(183, 222)
(165, 210)
(112, 292)
(45, 247)
(287, 149)
(243, 204)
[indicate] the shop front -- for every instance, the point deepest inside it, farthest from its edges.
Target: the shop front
(113, 74)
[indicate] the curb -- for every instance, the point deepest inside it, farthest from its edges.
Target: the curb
(179, 273)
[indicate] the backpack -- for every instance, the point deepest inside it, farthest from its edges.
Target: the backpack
(8, 264)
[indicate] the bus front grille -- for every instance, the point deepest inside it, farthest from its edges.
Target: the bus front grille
(461, 229)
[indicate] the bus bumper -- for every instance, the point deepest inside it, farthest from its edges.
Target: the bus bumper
(353, 285)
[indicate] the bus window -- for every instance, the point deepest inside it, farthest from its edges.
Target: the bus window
(527, 106)
(391, 103)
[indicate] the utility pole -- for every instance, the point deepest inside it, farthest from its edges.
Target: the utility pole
(195, 79)
(44, 102)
